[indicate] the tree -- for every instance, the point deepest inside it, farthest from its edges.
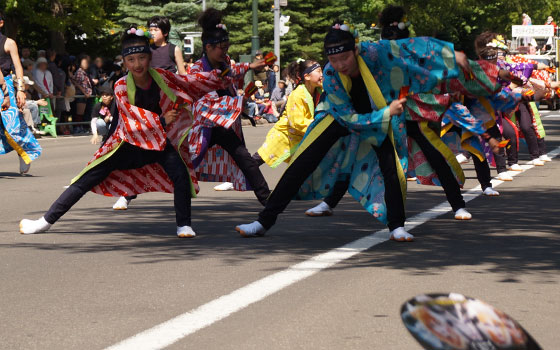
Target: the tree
(61, 19)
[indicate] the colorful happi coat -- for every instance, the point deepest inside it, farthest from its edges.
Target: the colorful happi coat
(386, 66)
(14, 132)
(214, 164)
(142, 128)
(283, 139)
(428, 109)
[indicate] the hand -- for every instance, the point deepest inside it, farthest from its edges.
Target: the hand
(397, 107)
(87, 95)
(494, 145)
(20, 99)
(95, 81)
(94, 139)
(257, 64)
(170, 116)
(462, 61)
(42, 103)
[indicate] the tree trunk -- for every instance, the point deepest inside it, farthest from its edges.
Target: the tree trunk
(58, 42)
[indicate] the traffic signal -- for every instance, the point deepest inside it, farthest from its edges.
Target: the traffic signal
(188, 45)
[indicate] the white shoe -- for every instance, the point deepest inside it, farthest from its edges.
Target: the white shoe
(489, 191)
(411, 178)
(536, 162)
(504, 176)
(462, 159)
(226, 186)
(27, 227)
(545, 158)
(121, 204)
(23, 167)
(253, 229)
(516, 167)
(400, 235)
(462, 214)
(185, 232)
(321, 209)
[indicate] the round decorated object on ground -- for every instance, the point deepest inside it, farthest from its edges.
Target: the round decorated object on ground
(456, 322)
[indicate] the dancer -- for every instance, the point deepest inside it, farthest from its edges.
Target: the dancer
(165, 56)
(214, 132)
(282, 140)
(358, 132)
(14, 133)
(145, 153)
(430, 162)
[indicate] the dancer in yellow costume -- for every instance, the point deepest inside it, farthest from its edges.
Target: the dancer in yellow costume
(282, 140)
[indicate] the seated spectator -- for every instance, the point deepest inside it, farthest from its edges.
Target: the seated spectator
(31, 109)
(251, 107)
(103, 115)
(264, 105)
(44, 78)
(278, 96)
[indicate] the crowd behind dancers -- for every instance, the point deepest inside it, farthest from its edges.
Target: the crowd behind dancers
(377, 113)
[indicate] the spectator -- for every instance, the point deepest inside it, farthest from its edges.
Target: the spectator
(278, 97)
(271, 79)
(83, 85)
(97, 73)
(276, 70)
(25, 54)
(259, 74)
(58, 77)
(164, 54)
(265, 109)
(250, 107)
(44, 78)
(104, 115)
(31, 109)
(41, 53)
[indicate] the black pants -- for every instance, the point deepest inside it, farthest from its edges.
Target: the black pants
(542, 146)
(525, 119)
(511, 149)
(481, 167)
(229, 141)
(131, 157)
(439, 164)
(308, 161)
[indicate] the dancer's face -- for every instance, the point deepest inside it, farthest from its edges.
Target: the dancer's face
(217, 52)
(345, 63)
(315, 78)
(138, 64)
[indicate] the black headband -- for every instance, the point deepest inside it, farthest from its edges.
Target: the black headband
(333, 50)
(135, 49)
(154, 25)
(216, 41)
(311, 68)
(490, 57)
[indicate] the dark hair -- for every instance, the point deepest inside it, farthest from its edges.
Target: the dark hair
(480, 44)
(128, 40)
(162, 23)
(337, 36)
(208, 20)
(389, 16)
(80, 59)
(2, 15)
(295, 70)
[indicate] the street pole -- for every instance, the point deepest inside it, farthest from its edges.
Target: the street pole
(255, 44)
(203, 5)
(277, 31)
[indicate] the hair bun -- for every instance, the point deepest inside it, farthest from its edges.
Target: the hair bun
(210, 18)
(391, 14)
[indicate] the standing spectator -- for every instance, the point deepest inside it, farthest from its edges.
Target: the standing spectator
(271, 79)
(276, 70)
(278, 97)
(97, 73)
(25, 54)
(44, 78)
(41, 53)
(164, 54)
(83, 85)
(526, 22)
(58, 77)
(260, 73)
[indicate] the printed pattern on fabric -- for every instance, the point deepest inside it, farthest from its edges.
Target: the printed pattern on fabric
(14, 133)
(143, 129)
(217, 165)
(283, 139)
(420, 63)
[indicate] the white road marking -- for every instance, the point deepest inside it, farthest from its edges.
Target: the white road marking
(188, 323)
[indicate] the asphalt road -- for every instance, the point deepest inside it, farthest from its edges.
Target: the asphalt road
(99, 276)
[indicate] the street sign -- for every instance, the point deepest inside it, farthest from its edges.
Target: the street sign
(283, 2)
(283, 27)
(532, 31)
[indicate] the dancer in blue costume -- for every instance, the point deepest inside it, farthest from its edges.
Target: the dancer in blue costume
(359, 129)
(14, 132)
